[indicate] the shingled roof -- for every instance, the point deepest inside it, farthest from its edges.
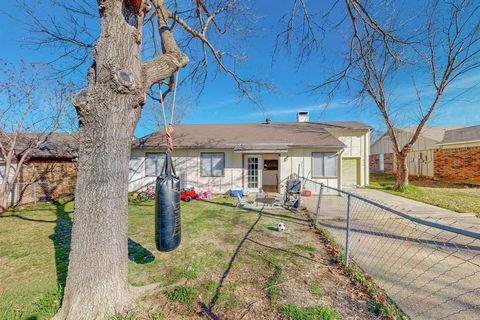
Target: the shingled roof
(435, 133)
(56, 144)
(462, 135)
(275, 135)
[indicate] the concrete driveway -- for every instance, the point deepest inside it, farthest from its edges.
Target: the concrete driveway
(430, 273)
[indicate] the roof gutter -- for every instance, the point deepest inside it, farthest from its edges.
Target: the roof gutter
(233, 147)
(458, 142)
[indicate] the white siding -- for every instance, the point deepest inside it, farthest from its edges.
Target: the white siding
(299, 162)
(296, 162)
(357, 146)
(187, 166)
(420, 159)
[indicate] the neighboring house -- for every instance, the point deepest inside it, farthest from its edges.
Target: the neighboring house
(421, 157)
(257, 156)
(458, 156)
(49, 172)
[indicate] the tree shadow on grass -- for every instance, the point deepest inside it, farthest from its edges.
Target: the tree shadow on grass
(62, 237)
(139, 254)
(207, 310)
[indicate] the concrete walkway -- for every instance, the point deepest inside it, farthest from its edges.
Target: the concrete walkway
(430, 273)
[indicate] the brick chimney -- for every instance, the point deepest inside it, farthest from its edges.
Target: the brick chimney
(302, 116)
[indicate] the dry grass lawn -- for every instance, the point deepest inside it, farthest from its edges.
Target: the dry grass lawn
(232, 264)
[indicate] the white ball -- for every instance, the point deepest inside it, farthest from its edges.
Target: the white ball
(280, 226)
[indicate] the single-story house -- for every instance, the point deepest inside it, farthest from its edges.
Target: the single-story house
(458, 155)
(49, 171)
(257, 156)
(421, 157)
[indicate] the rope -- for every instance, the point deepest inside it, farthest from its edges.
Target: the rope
(169, 126)
(174, 96)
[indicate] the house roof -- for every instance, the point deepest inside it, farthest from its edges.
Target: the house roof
(462, 135)
(275, 135)
(435, 133)
(53, 145)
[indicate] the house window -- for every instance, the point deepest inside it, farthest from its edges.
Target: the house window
(270, 165)
(154, 163)
(382, 162)
(324, 164)
(212, 164)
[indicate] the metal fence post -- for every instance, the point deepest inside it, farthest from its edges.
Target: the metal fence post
(347, 240)
(319, 204)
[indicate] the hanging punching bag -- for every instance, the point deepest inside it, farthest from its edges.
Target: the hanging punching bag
(167, 208)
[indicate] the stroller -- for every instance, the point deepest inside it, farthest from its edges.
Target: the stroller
(292, 194)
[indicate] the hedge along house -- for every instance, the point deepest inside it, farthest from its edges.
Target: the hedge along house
(458, 155)
(257, 156)
(421, 157)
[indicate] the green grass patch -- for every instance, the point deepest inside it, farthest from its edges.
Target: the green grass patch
(304, 248)
(315, 289)
(455, 197)
(183, 294)
(44, 305)
(273, 292)
(293, 312)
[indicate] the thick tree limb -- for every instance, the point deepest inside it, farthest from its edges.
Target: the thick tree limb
(162, 67)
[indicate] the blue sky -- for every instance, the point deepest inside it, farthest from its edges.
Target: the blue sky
(219, 101)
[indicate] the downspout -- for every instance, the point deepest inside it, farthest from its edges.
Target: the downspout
(339, 180)
(366, 179)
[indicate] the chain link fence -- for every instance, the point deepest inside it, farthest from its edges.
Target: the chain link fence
(429, 267)
(40, 191)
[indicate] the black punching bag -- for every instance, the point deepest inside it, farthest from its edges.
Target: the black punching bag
(167, 208)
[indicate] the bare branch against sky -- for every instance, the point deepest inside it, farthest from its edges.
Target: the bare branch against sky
(382, 42)
(32, 106)
(212, 34)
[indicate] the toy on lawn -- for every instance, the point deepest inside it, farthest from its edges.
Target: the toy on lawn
(280, 226)
(188, 194)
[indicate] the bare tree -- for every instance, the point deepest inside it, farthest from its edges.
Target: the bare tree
(434, 43)
(31, 108)
(108, 109)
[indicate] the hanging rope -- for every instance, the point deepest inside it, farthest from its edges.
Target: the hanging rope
(169, 126)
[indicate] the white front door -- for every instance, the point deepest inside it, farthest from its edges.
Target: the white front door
(253, 173)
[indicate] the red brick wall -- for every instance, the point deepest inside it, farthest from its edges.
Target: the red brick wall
(374, 163)
(461, 164)
(387, 163)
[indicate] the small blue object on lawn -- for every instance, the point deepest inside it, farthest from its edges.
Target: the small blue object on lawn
(236, 192)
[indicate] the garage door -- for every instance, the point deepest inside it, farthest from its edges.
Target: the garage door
(350, 173)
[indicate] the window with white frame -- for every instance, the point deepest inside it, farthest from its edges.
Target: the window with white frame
(154, 163)
(324, 164)
(212, 164)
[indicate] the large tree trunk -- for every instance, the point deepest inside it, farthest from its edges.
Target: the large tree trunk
(401, 171)
(4, 188)
(109, 108)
